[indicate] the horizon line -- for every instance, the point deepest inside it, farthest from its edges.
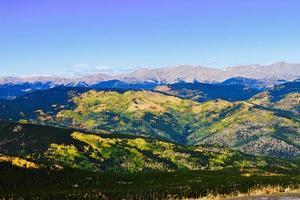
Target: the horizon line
(69, 75)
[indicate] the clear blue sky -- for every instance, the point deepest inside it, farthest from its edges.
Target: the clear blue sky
(56, 36)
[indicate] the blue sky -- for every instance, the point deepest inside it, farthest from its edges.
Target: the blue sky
(67, 36)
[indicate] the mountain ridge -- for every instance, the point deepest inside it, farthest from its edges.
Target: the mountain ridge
(188, 73)
(253, 76)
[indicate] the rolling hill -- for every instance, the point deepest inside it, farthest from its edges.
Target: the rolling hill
(246, 126)
(31, 146)
(266, 124)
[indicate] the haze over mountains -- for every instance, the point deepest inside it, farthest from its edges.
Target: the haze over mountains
(187, 73)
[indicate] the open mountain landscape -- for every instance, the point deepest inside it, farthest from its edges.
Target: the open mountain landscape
(126, 99)
(166, 129)
(267, 123)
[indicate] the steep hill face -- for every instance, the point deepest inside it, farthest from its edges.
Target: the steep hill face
(254, 130)
(33, 146)
(268, 124)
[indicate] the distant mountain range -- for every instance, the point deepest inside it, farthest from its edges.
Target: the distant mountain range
(251, 76)
(188, 73)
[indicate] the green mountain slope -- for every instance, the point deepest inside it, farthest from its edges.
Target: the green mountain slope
(247, 126)
(142, 113)
(285, 97)
(254, 130)
(34, 146)
(267, 124)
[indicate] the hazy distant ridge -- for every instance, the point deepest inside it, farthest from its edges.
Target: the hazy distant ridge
(188, 73)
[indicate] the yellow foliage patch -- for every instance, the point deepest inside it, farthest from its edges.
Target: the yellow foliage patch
(19, 162)
(94, 139)
(138, 142)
